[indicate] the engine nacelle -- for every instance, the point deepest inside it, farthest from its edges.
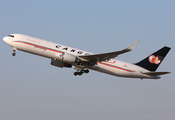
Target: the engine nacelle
(60, 64)
(66, 57)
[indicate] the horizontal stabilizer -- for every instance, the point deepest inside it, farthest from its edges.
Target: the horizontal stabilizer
(156, 73)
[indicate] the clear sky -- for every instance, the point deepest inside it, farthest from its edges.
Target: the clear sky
(32, 89)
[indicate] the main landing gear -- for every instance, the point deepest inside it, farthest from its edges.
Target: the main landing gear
(81, 72)
(14, 49)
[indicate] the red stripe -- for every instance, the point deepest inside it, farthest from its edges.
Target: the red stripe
(39, 46)
(54, 50)
(28, 43)
(115, 67)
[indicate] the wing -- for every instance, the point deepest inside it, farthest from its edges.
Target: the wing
(107, 56)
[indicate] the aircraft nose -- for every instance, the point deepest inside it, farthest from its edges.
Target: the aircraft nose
(5, 39)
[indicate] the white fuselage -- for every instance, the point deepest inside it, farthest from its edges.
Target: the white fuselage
(50, 50)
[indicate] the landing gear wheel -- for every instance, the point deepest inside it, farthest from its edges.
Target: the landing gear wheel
(86, 71)
(75, 73)
(13, 54)
(80, 73)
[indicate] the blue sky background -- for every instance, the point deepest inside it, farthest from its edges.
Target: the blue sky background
(32, 89)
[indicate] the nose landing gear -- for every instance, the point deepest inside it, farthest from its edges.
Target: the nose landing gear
(14, 49)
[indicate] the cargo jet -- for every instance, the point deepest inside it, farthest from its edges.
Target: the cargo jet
(64, 56)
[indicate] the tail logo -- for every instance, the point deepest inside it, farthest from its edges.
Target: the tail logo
(154, 59)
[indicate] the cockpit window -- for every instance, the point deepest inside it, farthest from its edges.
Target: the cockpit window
(11, 35)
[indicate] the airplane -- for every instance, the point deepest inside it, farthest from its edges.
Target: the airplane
(64, 56)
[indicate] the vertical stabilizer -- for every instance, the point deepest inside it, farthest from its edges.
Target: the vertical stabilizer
(153, 61)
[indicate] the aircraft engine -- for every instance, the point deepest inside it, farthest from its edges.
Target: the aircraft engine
(66, 57)
(60, 64)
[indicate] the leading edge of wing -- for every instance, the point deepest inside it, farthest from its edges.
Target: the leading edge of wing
(107, 56)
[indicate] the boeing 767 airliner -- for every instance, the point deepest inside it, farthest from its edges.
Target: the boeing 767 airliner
(64, 56)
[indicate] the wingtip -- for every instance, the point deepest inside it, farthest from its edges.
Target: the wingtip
(133, 45)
